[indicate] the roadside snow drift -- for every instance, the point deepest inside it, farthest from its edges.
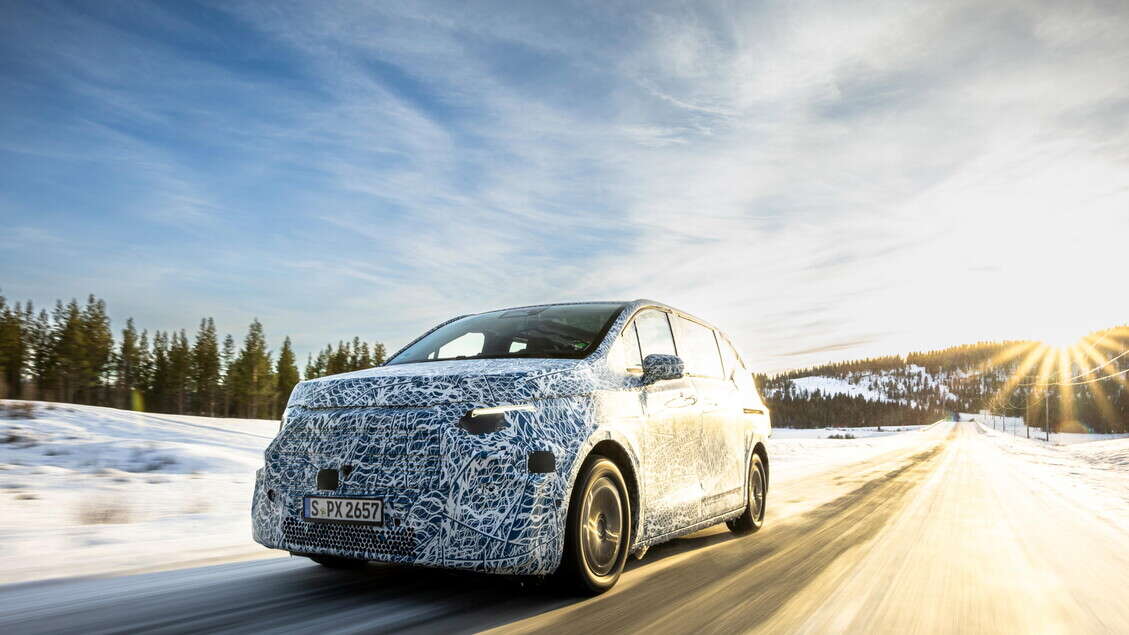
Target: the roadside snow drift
(86, 490)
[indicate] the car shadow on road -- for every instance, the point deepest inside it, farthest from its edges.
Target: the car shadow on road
(295, 593)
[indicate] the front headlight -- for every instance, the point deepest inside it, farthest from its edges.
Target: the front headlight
(487, 420)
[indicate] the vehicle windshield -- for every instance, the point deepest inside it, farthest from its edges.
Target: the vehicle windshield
(553, 331)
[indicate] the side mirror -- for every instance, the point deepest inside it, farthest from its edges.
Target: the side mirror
(658, 367)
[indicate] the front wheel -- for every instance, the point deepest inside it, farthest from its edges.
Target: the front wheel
(598, 534)
(756, 491)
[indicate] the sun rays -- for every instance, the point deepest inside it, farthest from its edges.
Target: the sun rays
(1056, 375)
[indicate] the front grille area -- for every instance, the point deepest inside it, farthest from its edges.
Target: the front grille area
(390, 448)
(366, 539)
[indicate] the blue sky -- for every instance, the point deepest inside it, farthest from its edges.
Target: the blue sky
(823, 180)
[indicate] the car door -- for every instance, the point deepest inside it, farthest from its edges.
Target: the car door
(721, 459)
(670, 436)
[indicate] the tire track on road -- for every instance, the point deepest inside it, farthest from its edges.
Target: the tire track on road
(740, 583)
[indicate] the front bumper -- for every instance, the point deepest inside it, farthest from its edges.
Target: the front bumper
(518, 533)
(473, 504)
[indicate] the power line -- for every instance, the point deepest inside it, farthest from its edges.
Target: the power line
(1091, 381)
(1099, 367)
(1071, 382)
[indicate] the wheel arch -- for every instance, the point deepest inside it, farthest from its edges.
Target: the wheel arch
(618, 454)
(762, 452)
(619, 450)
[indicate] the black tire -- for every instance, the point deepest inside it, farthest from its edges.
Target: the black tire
(756, 493)
(598, 530)
(335, 562)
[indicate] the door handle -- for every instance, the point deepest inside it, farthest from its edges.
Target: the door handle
(682, 400)
(753, 411)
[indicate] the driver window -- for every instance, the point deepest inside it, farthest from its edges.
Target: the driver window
(632, 360)
(728, 356)
(655, 336)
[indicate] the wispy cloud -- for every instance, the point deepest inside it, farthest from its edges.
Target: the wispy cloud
(825, 180)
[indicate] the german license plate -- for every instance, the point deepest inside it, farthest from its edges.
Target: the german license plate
(366, 511)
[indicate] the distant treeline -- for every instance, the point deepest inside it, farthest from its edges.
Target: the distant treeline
(996, 376)
(70, 355)
(846, 411)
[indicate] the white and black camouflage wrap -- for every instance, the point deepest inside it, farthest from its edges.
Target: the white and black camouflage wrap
(451, 498)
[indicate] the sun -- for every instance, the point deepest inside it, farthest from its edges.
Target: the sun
(1046, 373)
(1060, 338)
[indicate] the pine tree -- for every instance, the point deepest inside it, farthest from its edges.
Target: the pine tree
(252, 376)
(12, 350)
(180, 370)
(320, 366)
(227, 361)
(338, 360)
(128, 365)
(311, 367)
(98, 348)
(144, 373)
(68, 364)
(159, 377)
(41, 351)
(287, 373)
(359, 355)
(206, 368)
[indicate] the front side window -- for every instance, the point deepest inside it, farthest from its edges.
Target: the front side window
(632, 359)
(699, 348)
(655, 336)
(728, 356)
(553, 331)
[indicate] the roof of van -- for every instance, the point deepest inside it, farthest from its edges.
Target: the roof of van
(632, 305)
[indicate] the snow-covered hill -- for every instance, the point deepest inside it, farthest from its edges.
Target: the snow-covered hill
(902, 386)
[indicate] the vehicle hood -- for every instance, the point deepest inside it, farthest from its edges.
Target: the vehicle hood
(473, 381)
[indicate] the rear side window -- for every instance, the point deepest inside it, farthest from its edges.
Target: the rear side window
(698, 348)
(654, 333)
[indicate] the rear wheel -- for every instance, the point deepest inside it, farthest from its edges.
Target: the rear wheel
(756, 493)
(598, 534)
(334, 562)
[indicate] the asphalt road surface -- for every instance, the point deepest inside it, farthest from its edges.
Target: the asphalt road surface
(947, 536)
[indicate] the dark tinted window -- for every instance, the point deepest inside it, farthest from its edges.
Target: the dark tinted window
(698, 348)
(654, 333)
(565, 330)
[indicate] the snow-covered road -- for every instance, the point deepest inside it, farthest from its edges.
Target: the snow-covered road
(950, 529)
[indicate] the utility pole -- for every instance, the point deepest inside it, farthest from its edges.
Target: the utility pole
(1027, 413)
(1047, 413)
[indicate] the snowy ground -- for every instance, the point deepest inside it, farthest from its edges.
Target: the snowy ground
(1090, 470)
(1014, 426)
(838, 433)
(86, 490)
(796, 452)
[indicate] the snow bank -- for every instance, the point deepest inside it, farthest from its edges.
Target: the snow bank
(1015, 426)
(85, 490)
(795, 453)
(1092, 475)
(838, 433)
